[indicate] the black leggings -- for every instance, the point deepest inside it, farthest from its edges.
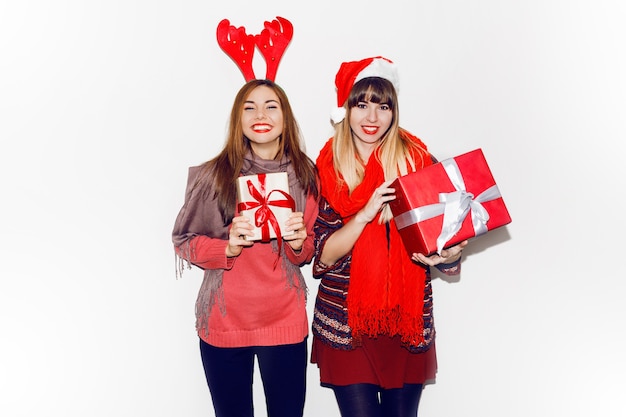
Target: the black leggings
(369, 400)
(229, 373)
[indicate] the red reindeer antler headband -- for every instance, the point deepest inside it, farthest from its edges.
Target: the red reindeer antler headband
(272, 42)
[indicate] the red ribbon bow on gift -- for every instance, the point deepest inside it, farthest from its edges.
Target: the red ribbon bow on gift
(264, 217)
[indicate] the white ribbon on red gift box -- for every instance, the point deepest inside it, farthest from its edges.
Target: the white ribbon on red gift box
(454, 206)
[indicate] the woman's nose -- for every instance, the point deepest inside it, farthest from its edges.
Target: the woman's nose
(372, 115)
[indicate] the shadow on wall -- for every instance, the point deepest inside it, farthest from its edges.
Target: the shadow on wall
(476, 245)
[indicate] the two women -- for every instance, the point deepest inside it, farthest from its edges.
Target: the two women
(373, 329)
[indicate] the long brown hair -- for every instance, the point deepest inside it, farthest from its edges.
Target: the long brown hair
(222, 171)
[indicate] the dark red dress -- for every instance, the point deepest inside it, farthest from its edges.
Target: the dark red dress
(381, 361)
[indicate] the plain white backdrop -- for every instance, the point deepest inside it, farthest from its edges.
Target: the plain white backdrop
(104, 105)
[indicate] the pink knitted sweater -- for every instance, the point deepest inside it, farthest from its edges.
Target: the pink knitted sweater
(259, 306)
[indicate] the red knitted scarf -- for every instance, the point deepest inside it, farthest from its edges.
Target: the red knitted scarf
(386, 293)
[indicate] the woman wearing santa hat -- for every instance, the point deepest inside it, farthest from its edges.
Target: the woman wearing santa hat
(373, 330)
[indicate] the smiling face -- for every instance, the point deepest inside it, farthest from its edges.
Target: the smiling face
(262, 121)
(372, 111)
(369, 122)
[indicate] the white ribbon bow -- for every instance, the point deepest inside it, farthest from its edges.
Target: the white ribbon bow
(455, 207)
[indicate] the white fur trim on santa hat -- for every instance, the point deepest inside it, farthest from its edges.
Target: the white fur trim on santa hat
(383, 69)
(337, 114)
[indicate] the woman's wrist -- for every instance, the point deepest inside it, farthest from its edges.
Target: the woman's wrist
(451, 267)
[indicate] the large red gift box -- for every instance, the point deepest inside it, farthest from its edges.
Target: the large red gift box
(446, 203)
(265, 200)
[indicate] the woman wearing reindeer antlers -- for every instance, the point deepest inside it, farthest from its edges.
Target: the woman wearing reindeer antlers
(373, 331)
(252, 300)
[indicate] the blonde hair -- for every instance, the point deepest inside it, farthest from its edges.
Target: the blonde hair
(395, 151)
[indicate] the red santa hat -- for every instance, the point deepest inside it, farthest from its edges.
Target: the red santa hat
(351, 72)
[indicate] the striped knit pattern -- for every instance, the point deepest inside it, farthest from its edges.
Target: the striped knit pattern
(330, 315)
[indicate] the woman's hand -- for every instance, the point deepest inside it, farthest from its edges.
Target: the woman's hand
(448, 256)
(239, 229)
(343, 240)
(296, 239)
(381, 196)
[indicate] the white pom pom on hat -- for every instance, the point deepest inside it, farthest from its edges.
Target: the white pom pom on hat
(353, 71)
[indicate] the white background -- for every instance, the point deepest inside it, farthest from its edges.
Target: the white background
(104, 105)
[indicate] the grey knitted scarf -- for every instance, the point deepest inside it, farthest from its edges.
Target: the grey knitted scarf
(200, 216)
